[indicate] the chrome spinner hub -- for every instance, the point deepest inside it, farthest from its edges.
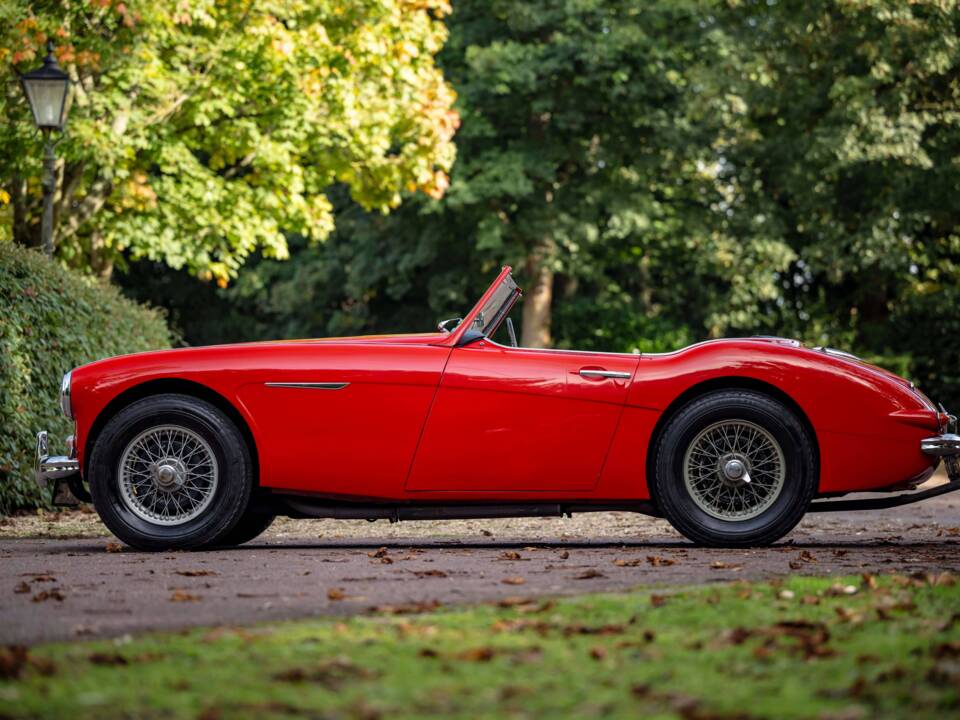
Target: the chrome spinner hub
(734, 471)
(169, 474)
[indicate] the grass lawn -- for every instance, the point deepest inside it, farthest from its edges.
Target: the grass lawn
(807, 647)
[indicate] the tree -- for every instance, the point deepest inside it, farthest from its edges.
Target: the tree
(205, 130)
(684, 171)
(585, 159)
(843, 132)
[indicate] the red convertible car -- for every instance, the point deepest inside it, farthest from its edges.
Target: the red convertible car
(732, 441)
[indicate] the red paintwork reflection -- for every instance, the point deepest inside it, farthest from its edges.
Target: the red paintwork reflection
(421, 419)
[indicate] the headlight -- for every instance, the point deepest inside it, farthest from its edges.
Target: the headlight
(65, 404)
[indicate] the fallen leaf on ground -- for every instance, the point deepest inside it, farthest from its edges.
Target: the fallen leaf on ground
(429, 573)
(194, 573)
(43, 666)
(515, 600)
(513, 580)
(22, 588)
(598, 653)
(12, 661)
(51, 594)
(578, 629)
(184, 596)
(659, 561)
(720, 565)
(510, 555)
(378, 553)
(106, 658)
(589, 574)
(336, 594)
(564, 555)
(847, 615)
(113, 547)
(411, 608)
(658, 600)
(837, 590)
(480, 654)
(330, 673)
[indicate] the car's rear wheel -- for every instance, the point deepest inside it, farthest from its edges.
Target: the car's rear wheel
(734, 468)
(253, 524)
(170, 472)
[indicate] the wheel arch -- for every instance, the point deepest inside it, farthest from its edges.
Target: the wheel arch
(182, 387)
(730, 382)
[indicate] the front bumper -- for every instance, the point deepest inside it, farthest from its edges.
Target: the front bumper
(58, 475)
(946, 445)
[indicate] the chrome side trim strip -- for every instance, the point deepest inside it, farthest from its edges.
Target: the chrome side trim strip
(309, 385)
(604, 374)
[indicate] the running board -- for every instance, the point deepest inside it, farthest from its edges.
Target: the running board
(301, 507)
(883, 502)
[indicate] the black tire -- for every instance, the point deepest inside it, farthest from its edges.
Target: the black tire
(253, 523)
(235, 473)
(800, 477)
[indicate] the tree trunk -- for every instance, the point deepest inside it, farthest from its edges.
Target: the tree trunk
(538, 298)
(101, 259)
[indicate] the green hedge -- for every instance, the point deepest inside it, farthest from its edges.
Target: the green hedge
(52, 320)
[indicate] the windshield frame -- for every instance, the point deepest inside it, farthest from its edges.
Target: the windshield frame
(498, 303)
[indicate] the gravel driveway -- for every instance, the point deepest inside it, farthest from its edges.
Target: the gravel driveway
(67, 587)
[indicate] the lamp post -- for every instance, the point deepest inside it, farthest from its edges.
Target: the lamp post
(47, 89)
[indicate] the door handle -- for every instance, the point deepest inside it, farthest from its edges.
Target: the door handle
(604, 374)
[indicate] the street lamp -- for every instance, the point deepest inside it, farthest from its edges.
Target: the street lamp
(47, 89)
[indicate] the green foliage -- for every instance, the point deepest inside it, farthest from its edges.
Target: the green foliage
(203, 131)
(842, 132)
(53, 320)
(687, 170)
(804, 648)
(580, 142)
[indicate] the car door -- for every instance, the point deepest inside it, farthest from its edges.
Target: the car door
(519, 419)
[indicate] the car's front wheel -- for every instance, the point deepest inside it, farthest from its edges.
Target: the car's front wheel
(170, 472)
(734, 468)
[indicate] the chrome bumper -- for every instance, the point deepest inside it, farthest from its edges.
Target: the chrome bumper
(57, 473)
(946, 445)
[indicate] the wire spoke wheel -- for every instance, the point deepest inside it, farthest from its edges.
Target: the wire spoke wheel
(168, 475)
(734, 470)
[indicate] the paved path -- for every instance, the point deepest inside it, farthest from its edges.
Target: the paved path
(54, 589)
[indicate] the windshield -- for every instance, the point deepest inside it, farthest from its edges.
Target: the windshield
(495, 309)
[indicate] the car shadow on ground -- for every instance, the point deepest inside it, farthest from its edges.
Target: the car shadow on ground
(52, 547)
